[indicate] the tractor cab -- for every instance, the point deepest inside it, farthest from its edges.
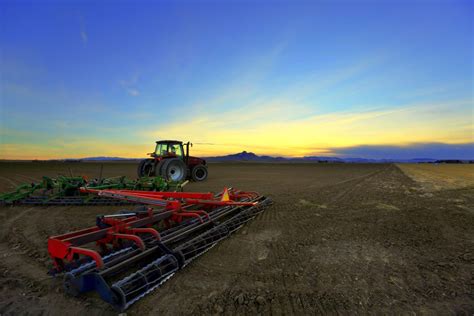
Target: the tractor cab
(168, 148)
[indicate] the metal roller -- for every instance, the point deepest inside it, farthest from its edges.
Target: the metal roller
(135, 286)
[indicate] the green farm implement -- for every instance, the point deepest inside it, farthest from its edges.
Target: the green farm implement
(65, 190)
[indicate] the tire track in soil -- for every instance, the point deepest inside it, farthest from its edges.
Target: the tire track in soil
(28, 275)
(23, 231)
(12, 184)
(8, 223)
(27, 178)
(22, 246)
(353, 185)
(28, 249)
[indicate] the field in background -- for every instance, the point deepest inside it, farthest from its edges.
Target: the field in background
(435, 177)
(339, 239)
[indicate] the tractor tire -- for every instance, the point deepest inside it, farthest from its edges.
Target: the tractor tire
(145, 168)
(199, 173)
(173, 169)
(159, 168)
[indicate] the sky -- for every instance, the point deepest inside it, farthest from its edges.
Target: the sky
(370, 79)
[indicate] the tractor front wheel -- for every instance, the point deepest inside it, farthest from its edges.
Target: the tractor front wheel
(199, 173)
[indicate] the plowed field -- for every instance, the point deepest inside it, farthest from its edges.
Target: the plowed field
(339, 238)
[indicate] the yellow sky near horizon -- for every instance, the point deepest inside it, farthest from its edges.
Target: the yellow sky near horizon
(268, 132)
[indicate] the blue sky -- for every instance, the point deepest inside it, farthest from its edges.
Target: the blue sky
(89, 78)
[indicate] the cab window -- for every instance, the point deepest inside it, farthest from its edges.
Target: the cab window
(176, 150)
(161, 149)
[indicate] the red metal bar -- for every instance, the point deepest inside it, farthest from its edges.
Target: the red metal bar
(174, 195)
(218, 202)
(190, 198)
(75, 233)
(147, 230)
(177, 217)
(137, 240)
(87, 252)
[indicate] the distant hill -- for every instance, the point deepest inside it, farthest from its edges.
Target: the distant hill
(251, 157)
(320, 159)
(245, 156)
(101, 158)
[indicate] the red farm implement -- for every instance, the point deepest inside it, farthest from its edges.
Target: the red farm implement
(127, 255)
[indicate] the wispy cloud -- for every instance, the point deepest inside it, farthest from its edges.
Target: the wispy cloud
(82, 28)
(84, 37)
(130, 85)
(133, 92)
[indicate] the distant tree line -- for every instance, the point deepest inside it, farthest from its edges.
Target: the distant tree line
(453, 161)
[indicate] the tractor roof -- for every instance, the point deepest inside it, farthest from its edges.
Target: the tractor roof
(169, 142)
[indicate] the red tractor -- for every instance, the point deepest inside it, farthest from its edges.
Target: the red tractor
(171, 162)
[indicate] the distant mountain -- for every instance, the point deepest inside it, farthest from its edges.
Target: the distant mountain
(101, 158)
(245, 156)
(251, 157)
(321, 158)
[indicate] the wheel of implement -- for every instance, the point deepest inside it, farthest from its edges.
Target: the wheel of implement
(199, 173)
(145, 168)
(69, 286)
(173, 169)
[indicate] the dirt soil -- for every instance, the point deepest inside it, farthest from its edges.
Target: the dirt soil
(340, 238)
(434, 177)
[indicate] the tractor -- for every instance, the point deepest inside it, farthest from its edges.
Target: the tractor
(173, 163)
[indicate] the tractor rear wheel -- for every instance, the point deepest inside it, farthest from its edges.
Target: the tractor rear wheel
(173, 169)
(145, 168)
(199, 173)
(158, 168)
